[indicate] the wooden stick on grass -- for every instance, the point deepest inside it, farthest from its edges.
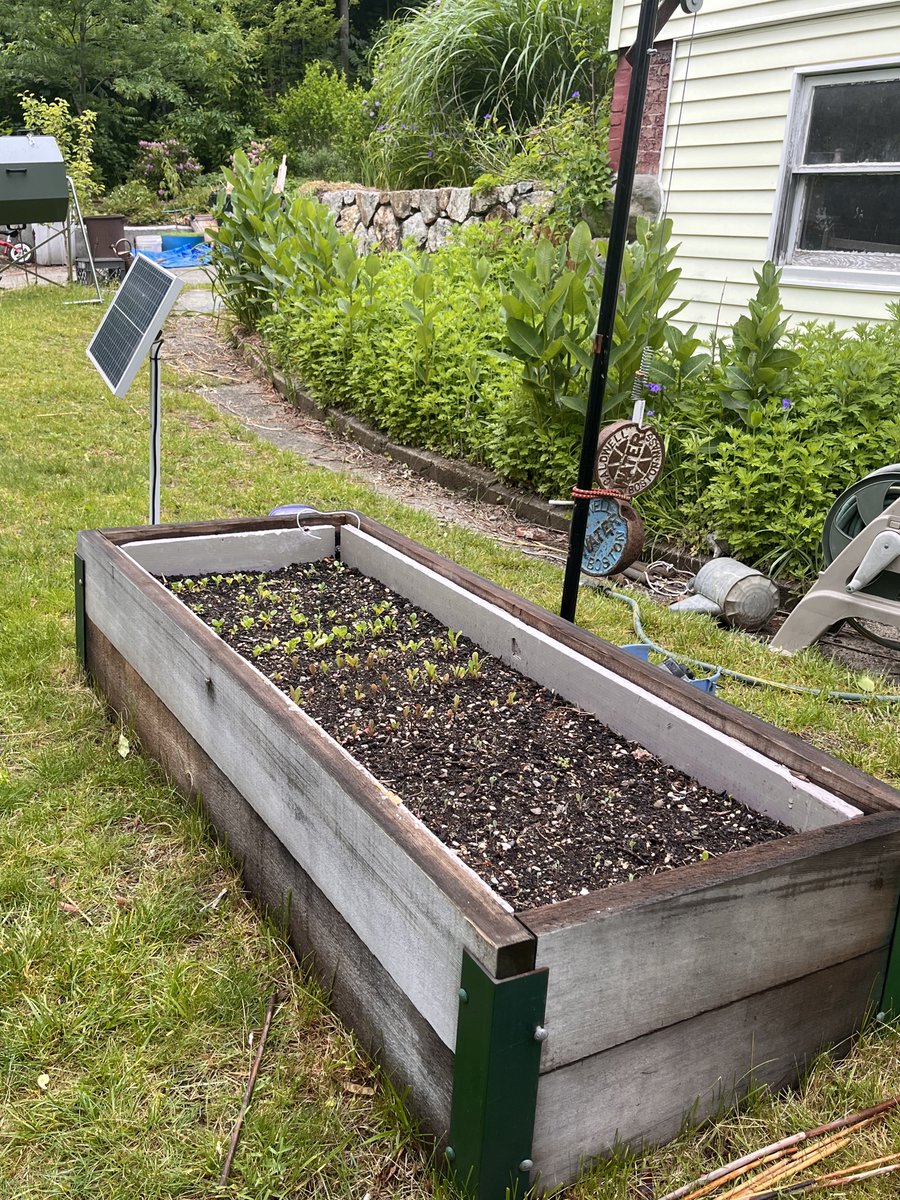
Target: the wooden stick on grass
(845, 1175)
(807, 1158)
(248, 1091)
(699, 1186)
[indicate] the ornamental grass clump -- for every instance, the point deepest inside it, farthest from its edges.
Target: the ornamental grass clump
(456, 64)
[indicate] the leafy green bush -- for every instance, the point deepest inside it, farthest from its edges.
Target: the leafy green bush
(459, 63)
(136, 202)
(567, 152)
(326, 120)
(266, 249)
(405, 340)
(551, 307)
(756, 365)
(74, 134)
(481, 350)
(166, 166)
(765, 485)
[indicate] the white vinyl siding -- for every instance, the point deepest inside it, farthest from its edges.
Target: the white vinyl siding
(723, 16)
(723, 177)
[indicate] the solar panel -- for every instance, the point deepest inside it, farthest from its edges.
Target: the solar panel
(131, 323)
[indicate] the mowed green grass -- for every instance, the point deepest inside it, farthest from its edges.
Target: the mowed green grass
(127, 1004)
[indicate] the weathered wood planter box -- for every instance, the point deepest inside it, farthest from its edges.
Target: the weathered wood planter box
(660, 997)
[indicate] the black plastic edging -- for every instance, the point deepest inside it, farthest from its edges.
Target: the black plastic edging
(890, 995)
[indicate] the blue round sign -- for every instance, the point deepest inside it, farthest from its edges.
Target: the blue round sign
(613, 538)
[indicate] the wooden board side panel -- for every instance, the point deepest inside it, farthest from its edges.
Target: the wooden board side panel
(635, 968)
(676, 736)
(360, 990)
(402, 892)
(640, 1093)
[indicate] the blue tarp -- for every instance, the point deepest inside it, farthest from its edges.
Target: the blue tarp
(183, 256)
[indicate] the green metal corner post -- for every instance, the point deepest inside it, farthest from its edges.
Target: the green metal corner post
(495, 1080)
(80, 639)
(890, 996)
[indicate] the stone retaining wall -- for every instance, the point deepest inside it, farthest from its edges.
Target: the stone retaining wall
(425, 216)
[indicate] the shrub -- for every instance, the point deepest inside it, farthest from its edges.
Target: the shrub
(453, 65)
(479, 350)
(482, 349)
(764, 486)
(266, 249)
(74, 135)
(567, 152)
(166, 167)
(323, 120)
(136, 202)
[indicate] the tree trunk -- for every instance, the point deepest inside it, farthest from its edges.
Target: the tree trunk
(344, 36)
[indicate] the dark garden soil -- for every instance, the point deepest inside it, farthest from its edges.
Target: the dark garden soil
(538, 797)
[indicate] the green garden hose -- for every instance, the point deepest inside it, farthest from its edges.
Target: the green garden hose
(854, 697)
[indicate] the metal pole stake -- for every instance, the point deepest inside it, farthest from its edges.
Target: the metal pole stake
(155, 428)
(639, 56)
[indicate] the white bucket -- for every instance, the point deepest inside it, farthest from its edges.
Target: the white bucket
(149, 241)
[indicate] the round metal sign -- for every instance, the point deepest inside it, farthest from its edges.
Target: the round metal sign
(614, 536)
(630, 457)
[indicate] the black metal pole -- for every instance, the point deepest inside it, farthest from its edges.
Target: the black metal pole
(639, 55)
(155, 427)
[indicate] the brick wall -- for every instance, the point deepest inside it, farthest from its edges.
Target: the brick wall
(654, 120)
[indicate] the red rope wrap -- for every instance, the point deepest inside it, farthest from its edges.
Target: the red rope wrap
(594, 493)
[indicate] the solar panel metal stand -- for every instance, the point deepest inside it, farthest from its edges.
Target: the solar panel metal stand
(130, 332)
(155, 426)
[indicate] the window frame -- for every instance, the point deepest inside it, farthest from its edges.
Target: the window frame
(845, 269)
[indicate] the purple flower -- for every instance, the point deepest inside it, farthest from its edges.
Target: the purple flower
(576, 95)
(651, 412)
(655, 388)
(785, 403)
(487, 116)
(430, 154)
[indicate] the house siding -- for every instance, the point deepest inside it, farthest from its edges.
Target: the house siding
(725, 139)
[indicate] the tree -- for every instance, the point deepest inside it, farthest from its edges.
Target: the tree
(135, 62)
(287, 35)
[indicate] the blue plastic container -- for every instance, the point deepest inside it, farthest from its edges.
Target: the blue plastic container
(180, 241)
(703, 685)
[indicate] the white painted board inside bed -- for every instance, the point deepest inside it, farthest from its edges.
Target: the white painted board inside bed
(256, 550)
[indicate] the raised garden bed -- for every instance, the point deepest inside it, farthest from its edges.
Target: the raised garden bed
(666, 994)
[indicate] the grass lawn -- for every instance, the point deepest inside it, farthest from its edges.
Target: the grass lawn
(128, 1003)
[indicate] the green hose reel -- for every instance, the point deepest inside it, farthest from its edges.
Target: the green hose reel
(860, 583)
(853, 510)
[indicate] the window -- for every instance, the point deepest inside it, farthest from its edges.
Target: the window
(841, 198)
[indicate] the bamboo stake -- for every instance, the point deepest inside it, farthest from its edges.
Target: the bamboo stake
(800, 1162)
(696, 1188)
(248, 1091)
(784, 1161)
(721, 1180)
(847, 1175)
